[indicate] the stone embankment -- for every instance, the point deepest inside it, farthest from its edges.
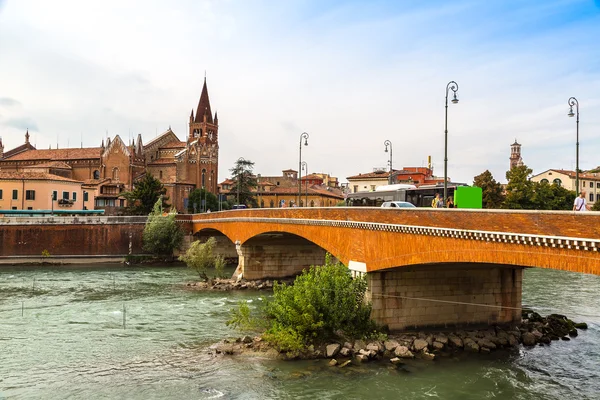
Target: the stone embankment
(534, 330)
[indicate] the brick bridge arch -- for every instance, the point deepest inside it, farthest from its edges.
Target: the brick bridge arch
(425, 267)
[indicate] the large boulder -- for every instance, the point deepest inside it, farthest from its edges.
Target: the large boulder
(403, 352)
(359, 344)
(470, 345)
(438, 345)
(528, 339)
(390, 345)
(332, 350)
(443, 339)
(488, 344)
(374, 346)
(420, 344)
(455, 341)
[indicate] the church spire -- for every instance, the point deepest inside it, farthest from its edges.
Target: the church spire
(204, 106)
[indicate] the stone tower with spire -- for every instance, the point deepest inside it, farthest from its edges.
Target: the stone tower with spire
(203, 145)
(515, 155)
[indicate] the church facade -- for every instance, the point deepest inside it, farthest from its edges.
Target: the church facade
(105, 172)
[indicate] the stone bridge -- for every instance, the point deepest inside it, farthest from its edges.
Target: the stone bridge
(425, 267)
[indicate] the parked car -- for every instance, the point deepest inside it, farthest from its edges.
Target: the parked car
(399, 204)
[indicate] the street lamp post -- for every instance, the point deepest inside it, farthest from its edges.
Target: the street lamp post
(304, 136)
(305, 166)
(389, 143)
(52, 202)
(573, 102)
(454, 87)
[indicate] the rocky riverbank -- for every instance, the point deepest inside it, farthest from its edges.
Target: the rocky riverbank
(534, 330)
(231, 284)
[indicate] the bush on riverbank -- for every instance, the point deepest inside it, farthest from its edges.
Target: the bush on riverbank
(324, 303)
(201, 256)
(161, 234)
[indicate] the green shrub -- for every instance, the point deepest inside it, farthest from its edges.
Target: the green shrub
(200, 257)
(324, 303)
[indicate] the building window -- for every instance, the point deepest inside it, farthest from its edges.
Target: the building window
(30, 208)
(14, 208)
(115, 174)
(372, 188)
(15, 194)
(96, 174)
(355, 188)
(54, 195)
(30, 195)
(544, 180)
(65, 196)
(0, 194)
(159, 174)
(591, 184)
(74, 196)
(557, 182)
(271, 203)
(203, 177)
(597, 187)
(591, 196)
(85, 196)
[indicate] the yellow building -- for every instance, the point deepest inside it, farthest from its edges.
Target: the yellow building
(41, 191)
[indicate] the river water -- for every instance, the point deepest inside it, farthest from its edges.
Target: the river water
(136, 333)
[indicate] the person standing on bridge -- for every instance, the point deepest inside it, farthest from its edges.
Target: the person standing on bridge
(435, 203)
(580, 203)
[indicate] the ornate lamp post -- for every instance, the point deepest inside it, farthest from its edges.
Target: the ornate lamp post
(304, 136)
(454, 87)
(305, 166)
(573, 102)
(389, 143)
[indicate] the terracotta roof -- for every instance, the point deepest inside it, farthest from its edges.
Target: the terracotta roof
(582, 175)
(312, 176)
(59, 154)
(34, 176)
(17, 150)
(51, 164)
(174, 145)
(264, 183)
(167, 132)
(226, 182)
(371, 175)
(95, 181)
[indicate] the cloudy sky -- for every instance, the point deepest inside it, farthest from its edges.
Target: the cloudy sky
(350, 73)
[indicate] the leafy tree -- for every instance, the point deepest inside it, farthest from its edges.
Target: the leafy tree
(552, 197)
(243, 182)
(146, 192)
(161, 234)
(200, 257)
(196, 198)
(323, 303)
(519, 190)
(491, 191)
(595, 207)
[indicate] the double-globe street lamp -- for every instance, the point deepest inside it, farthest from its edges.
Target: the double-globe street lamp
(573, 102)
(305, 167)
(389, 143)
(454, 87)
(304, 136)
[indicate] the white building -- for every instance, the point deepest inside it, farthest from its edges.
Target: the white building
(588, 182)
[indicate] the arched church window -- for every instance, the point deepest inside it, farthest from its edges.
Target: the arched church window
(115, 173)
(96, 174)
(544, 180)
(557, 182)
(271, 203)
(203, 178)
(160, 174)
(312, 203)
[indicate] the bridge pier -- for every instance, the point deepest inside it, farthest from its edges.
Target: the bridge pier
(446, 295)
(277, 256)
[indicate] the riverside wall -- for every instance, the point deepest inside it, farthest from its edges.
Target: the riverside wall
(71, 236)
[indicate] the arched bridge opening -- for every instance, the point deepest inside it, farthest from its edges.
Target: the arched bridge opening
(278, 255)
(224, 246)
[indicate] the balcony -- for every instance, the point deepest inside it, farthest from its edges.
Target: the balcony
(65, 202)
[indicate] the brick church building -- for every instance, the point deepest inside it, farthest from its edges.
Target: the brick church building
(105, 172)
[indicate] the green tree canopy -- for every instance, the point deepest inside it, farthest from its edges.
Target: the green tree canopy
(519, 190)
(491, 191)
(552, 197)
(161, 234)
(198, 196)
(146, 192)
(243, 182)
